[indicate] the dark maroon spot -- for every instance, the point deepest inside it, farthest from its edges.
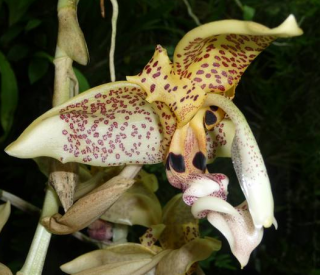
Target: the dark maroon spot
(177, 162)
(152, 87)
(210, 118)
(175, 88)
(214, 108)
(199, 161)
(221, 88)
(166, 87)
(156, 75)
(200, 72)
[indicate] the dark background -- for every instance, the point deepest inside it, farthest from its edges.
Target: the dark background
(279, 95)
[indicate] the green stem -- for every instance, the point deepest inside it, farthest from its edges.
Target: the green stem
(115, 12)
(40, 243)
(191, 13)
(19, 203)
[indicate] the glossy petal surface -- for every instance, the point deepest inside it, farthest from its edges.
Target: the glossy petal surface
(216, 54)
(179, 261)
(161, 83)
(111, 255)
(138, 205)
(248, 164)
(108, 125)
(239, 230)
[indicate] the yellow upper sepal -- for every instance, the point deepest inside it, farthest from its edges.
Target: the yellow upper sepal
(215, 55)
(161, 83)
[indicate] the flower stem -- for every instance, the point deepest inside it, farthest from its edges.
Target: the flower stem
(40, 243)
(191, 13)
(19, 203)
(113, 39)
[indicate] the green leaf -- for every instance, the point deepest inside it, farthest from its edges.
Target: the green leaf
(32, 24)
(17, 9)
(11, 34)
(9, 95)
(83, 82)
(44, 55)
(315, 272)
(248, 13)
(37, 69)
(18, 52)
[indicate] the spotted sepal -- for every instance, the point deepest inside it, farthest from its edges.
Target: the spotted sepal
(161, 83)
(181, 226)
(108, 125)
(151, 236)
(215, 55)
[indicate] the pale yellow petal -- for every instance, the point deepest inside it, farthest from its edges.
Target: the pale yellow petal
(180, 224)
(113, 254)
(178, 261)
(137, 206)
(5, 210)
(108, 125)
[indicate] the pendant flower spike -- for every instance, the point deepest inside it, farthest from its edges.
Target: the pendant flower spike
(176, 112)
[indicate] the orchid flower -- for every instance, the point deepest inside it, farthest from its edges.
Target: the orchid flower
(181, 248)
(179, 112)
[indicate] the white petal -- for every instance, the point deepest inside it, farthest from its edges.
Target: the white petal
(201, 187)
(248, 164)
(242, 235)
(212, 204)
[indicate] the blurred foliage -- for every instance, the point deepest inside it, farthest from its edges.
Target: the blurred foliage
(278, 94)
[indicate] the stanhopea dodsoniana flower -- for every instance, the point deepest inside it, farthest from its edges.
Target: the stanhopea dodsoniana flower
(179, 112)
